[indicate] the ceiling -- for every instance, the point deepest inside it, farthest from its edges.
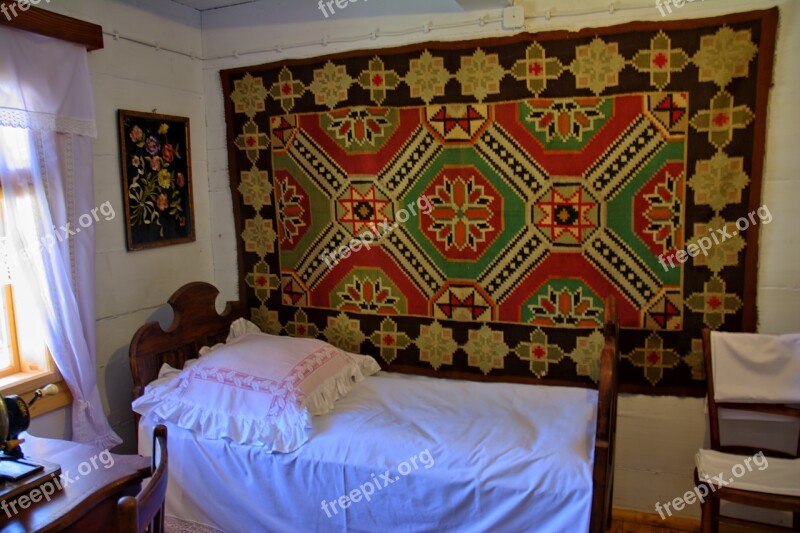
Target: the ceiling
(205, 5)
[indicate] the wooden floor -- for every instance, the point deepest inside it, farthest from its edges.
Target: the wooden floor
(636, 522)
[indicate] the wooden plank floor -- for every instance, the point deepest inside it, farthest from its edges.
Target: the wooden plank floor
(624, 521)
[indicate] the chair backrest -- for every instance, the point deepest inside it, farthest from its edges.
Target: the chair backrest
(145, 511)
(714, 406)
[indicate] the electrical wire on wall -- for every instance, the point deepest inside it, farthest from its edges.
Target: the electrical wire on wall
(427, 28)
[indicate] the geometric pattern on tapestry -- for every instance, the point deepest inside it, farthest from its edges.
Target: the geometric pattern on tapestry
(469, 208)
(593, 212)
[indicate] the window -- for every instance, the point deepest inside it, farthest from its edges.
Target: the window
(22, 351)
(25, 362)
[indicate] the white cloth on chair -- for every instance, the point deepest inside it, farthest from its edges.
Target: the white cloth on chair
(759, 473)
(749, 367)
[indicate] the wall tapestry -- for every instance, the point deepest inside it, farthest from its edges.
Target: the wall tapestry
(464, 208)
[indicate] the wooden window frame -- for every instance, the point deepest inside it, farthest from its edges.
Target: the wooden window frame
(16, 362)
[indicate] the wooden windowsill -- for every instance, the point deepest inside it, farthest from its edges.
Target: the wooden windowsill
(25, 383)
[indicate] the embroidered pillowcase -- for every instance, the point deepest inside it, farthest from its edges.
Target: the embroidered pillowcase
(258, 389)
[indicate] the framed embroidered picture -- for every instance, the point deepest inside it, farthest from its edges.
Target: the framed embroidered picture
(155, 154)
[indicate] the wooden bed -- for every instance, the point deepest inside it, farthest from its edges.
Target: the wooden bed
(196, 323)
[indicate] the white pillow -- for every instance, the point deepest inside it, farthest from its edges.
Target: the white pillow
(239, 327)
(258, 389)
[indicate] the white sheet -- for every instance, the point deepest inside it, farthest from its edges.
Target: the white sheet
(503, 457)
(759, 474)
(756, 368)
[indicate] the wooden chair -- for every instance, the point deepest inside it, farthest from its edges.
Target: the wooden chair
(145, 512)
(711, 518)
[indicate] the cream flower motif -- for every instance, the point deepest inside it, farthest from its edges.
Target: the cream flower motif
(249, 95)
(725, 55)
(427, 77)
(597, 66)
(727, 243)
(331, 84)
(719, 181)
(587, 355)
(480, 74)
(696, 361)
(259, 236)
(256, 188)
(344, 333)
(266, 320)
(436, 345)
(486, 349)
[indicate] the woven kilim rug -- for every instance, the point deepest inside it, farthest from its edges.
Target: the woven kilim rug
(464, 208)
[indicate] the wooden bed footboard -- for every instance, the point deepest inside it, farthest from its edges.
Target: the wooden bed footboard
(605, 436)
(196, 323)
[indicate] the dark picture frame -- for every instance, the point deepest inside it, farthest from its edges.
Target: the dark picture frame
(155, 157)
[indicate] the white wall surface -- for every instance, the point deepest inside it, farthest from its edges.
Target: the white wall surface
(657, 436)
(131, 286)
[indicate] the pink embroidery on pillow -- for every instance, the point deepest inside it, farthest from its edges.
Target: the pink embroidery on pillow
(313, 362)
(282, 392)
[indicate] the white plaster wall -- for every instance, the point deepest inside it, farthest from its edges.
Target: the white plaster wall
(658, 436)
(131, 286)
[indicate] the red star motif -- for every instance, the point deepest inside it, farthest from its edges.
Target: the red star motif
(377, 80)
(538, 352)
(714, 303)
(286, 89)
(721, 119)
(660, 60)
(388, 340)
(653, 358)
(535, 68)
(250, 141)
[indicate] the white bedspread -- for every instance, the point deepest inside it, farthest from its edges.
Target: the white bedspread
(487, 457)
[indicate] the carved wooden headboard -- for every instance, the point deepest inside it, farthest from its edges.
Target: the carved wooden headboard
(195, 324)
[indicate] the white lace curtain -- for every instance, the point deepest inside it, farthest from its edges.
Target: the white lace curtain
(46, 130)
